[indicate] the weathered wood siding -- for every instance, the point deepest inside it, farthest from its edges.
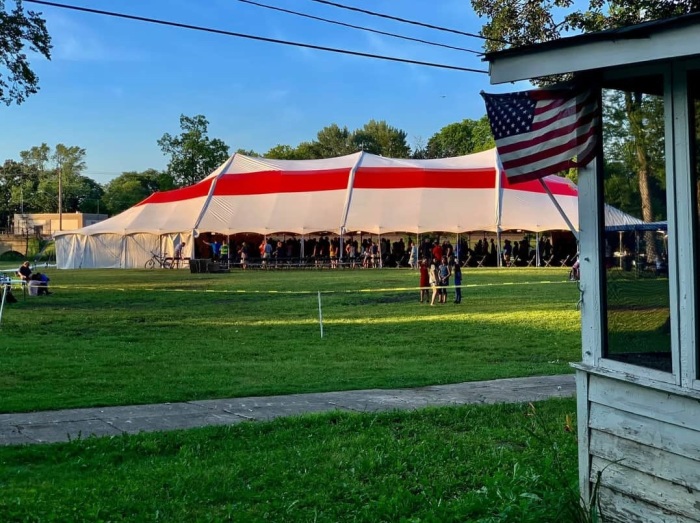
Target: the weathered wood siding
(644, 450)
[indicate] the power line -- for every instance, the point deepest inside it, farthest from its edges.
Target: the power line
(394, 35)
(413, 22)
(253, 37)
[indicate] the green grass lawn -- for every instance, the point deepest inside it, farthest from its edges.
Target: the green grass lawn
(114, 337)
(127, 337)
(488, 464)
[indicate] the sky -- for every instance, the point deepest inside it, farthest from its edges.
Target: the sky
(115, 86)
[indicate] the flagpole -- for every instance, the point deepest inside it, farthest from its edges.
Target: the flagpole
(561, 211)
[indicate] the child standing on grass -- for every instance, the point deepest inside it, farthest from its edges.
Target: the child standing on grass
(457, 271)
(424, 281)
(433, 279)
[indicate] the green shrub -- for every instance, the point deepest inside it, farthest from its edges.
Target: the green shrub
(11, 256)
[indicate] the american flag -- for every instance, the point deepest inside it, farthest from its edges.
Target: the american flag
(544, 131)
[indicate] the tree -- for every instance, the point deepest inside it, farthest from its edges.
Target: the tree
(129, 188)
(20, 30)
(249, 152)
(13, 184)
(522, 22)
(379, 137)
(457, 139)
(333, 141)
(43, 170)
(193, 155)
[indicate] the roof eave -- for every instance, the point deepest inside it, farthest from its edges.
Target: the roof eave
(596, 51)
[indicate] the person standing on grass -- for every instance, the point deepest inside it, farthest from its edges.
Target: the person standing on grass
(224, 250)
(424, 280)
(444, 279)
(243, 253)
(433, 280)
(413, 255)
(177, 256)
(457, 271)
(215, 248)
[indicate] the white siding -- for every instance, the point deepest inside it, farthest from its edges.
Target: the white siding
(644, 450)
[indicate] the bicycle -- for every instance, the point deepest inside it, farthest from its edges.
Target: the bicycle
(163, 262)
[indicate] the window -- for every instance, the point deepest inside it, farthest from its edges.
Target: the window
(635, 253)
(694, 132)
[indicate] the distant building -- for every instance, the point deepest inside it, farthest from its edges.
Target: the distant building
(46, 224)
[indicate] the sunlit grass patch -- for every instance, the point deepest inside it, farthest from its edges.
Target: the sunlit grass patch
(110, 337)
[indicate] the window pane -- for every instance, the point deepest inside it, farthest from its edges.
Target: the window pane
(636, 289)
(694, 126)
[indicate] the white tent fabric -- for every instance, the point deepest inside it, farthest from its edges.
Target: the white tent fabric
(358, 192)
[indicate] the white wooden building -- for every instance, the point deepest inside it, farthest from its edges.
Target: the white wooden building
(638, 384)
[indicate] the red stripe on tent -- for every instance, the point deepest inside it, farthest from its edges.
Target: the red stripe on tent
(177, 195)
(269, 182)
(559, 187)
(411, 178)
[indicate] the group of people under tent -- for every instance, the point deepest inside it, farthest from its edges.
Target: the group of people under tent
(367, 252)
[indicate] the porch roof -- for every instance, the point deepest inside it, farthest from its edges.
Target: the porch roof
(643, 43)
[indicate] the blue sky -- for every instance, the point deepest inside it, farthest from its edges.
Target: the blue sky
(114, 87)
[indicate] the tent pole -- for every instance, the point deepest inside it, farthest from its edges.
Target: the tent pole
(498, 251)
(301, 251)
(537, 250)
(379, 239)
(619, 249)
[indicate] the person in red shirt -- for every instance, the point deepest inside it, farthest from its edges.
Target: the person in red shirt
(424, 281)
(437, 251)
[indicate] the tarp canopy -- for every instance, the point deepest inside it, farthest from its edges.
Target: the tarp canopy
(358, 192)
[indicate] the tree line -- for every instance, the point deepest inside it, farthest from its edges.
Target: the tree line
(634, 167)
(30, 184)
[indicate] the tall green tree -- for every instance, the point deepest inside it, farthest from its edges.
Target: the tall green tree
(516, 23)
(20, 31)
(460, 138)
(16, 181)
(332, 141)
(129, 188)
(193, 155)
(378, 137)
(303, 151)
(522, 22)
(49, 175)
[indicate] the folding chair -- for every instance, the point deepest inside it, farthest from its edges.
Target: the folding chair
(531, 261)
(564, 261)
(480, 261)
(548, 261)
(466, 262)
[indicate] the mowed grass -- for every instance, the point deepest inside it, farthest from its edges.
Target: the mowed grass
(117, 337)
(488, 464)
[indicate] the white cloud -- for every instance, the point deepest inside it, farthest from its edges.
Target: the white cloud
(77, 42)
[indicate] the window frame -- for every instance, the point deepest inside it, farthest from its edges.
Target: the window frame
(670, 144)
(686, 211)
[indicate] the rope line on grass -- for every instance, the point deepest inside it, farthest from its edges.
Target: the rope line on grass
(303, 292)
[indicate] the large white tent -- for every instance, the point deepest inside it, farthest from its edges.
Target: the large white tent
(358, 192)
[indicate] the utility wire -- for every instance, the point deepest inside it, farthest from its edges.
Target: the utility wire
(404, 20)
(394, 35)
(253, 37)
